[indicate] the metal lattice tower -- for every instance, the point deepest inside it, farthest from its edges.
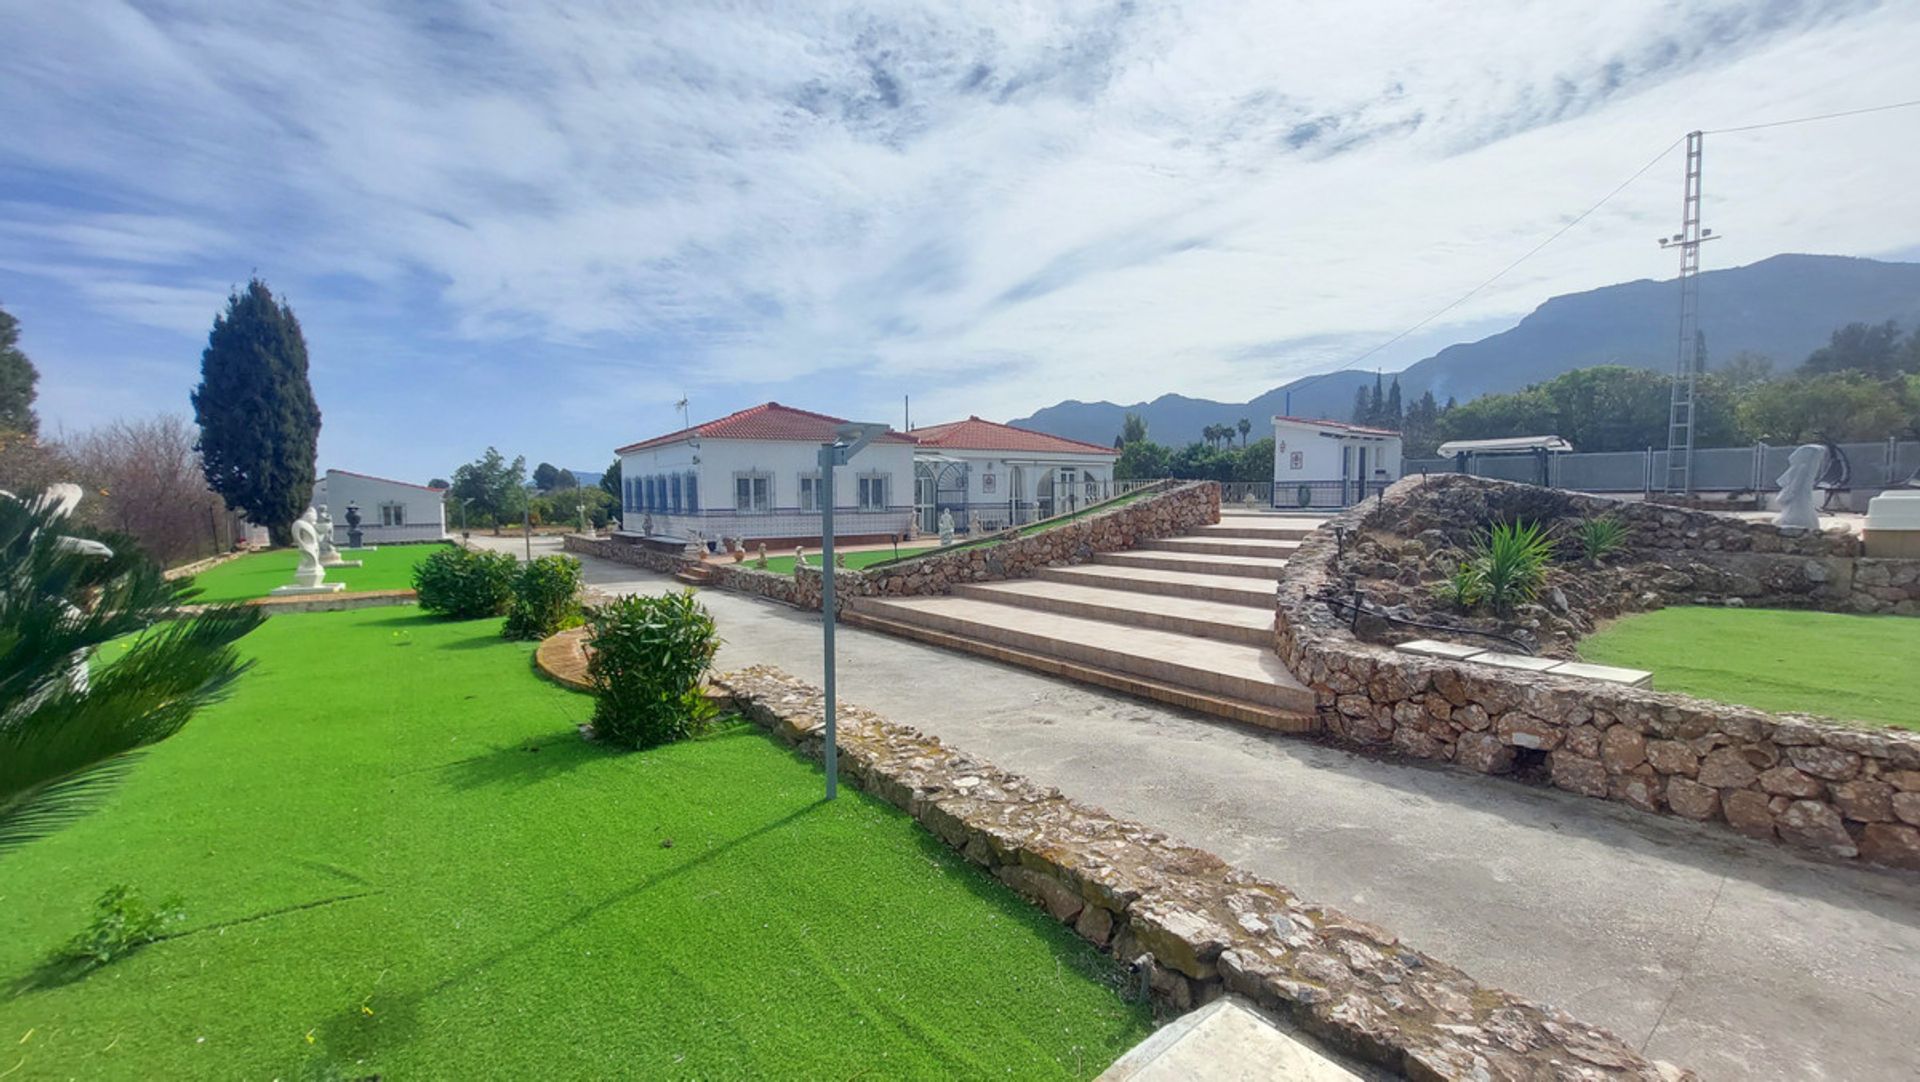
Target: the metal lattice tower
(1691, 354)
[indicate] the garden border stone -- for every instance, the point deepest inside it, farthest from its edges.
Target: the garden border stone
(1190, 926)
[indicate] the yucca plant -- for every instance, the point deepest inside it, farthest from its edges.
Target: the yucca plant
(1512, 559)
(1599, 536)
(69, 735)
(1464, 588)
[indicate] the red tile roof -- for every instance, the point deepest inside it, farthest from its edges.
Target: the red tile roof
(1322, 422)
(767, 421)
(974, 434)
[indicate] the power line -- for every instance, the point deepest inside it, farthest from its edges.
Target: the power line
(1508, 269)
(1811, 119)
(1577, 219)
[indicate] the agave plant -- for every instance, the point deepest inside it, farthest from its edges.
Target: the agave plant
(1599, 536)
(68, 736)
(1512, 560)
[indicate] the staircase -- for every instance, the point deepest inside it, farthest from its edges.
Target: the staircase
(1181, 620)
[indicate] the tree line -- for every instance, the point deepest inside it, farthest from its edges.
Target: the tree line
(1863, 385)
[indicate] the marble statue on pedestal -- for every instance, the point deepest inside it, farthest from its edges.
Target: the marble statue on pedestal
(329, 555)
(323, 526)
(946, 527)
(1795, 499)
(306, 537)
(799, 557)
(309, 577)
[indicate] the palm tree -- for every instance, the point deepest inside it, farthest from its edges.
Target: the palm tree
(1245, 426)
(68, 736)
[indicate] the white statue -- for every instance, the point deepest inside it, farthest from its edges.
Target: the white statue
(646, 525)
(799, 557)
(1795, 499)
(306, 537)
(973, 524)
(946, 527)
(760, 557)
(323, 526)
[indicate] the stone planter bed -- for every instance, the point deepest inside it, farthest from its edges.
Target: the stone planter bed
(1813, 783)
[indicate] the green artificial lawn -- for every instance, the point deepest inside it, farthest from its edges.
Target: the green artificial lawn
(783, 565)
(1854, 668)
(389, 567)
(399, 860)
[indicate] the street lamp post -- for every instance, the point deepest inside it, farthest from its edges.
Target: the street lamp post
(847, 442)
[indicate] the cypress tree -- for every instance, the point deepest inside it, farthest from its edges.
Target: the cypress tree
(259, 426)
(17, 377)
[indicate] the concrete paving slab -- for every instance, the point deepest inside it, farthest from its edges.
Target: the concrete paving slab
(1612, 674)
(1452, 651)
(1735, 957)
(1228, 1041)
(1516, 661)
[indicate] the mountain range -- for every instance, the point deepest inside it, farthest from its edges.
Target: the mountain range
(1784, 307)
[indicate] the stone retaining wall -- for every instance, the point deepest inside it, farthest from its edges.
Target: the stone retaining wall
(1165, 514)
(1844, 791)
(197, 566)
(1188, 923)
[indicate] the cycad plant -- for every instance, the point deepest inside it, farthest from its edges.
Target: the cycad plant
(67, 735)
(1512, 560)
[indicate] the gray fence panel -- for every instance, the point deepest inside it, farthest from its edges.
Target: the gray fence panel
(1715, 469)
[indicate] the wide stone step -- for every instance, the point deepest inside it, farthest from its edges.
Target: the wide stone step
(1256, 526)
(1231, 589)
(1187, 616)
(1234, 670)
(1277, 718)
(1265, 548)
(1253, 567)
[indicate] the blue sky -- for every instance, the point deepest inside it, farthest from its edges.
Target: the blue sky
(538, 226)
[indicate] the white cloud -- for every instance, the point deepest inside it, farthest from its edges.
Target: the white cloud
(1075, 200)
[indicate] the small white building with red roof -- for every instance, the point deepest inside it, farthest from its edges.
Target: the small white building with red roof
(1321, 463)
(391, 512)
(755, 475)
(1008, 476)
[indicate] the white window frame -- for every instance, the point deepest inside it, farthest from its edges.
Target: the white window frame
(759, 492)
(865, 487)
(809, 489)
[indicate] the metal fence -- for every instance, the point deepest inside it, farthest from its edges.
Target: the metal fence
(1753, 469)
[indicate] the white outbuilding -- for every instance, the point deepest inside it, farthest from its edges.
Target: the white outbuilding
(391, 511)
(1007, 476)
(1319, 463)
(755, 475)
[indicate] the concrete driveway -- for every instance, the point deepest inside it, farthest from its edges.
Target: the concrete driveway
(1730, 956)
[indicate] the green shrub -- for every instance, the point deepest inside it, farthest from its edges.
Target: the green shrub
(122, 922)
(1599, 536)
(649, 654)
(1511, 560)
(1464, 588)
(465, 583)
(546, 598)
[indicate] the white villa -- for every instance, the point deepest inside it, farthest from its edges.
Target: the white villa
(755, 475)
(390, 511)
(1318, 463)
(1008, 476)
